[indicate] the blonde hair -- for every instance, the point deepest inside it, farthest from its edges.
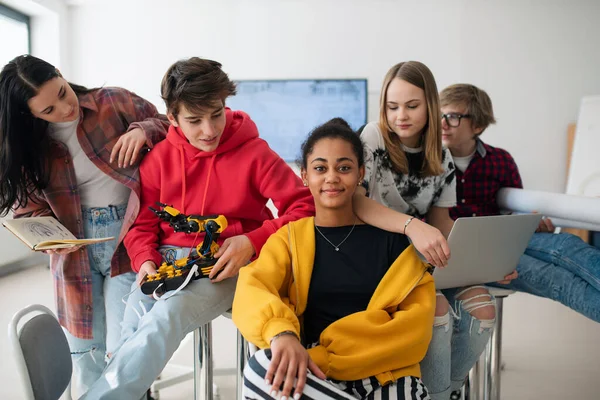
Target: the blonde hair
(477, 102)
(419, 75)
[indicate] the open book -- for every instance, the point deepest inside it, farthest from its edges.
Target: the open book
(45, 233)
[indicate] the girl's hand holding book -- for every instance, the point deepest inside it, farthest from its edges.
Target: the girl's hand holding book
(62, 251)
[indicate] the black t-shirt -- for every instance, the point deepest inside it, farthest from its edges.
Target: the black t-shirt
(415, 162)
(344, 281)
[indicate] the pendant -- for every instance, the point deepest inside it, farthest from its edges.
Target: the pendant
(337, 249)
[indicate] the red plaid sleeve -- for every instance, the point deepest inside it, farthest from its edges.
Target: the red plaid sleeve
(154, 125)
(512, 178)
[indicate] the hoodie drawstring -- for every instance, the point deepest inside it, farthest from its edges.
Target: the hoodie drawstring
(210, 167)
(183, 179)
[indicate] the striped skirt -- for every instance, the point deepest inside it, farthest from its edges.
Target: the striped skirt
(408, 387)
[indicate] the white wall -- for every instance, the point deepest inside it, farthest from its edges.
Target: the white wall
(536, 59)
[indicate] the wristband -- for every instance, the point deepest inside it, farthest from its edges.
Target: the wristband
(406, 224)
(282, 334)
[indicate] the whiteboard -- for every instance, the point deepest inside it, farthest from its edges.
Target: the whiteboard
(584, 171)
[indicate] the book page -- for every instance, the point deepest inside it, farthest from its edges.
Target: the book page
(38, 229)
(44, 233)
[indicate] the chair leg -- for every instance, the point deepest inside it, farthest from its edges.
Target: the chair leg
(203, 366)
(493, 359)
(497, 351)
(487, 370)
(475, 381)
(242, 358)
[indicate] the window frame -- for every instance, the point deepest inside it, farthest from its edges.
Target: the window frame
(20, 17)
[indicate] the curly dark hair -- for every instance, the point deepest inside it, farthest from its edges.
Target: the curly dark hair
(336, 128)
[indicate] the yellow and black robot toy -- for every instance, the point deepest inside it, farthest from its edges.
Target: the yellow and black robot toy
(171, 275)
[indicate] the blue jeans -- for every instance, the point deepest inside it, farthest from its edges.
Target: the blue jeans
(89, 355)
(152, 331)
(561, 267)
(458, 341)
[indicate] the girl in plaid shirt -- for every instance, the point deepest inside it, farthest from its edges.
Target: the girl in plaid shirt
(72, 153)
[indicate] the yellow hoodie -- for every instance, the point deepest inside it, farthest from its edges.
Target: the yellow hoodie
(387, 340)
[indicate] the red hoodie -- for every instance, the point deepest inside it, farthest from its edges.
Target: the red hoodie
(236, 180)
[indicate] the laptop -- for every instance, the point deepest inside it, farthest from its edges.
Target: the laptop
(485, 249)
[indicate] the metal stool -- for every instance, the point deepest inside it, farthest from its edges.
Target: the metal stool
(492, 360)
(203, 371)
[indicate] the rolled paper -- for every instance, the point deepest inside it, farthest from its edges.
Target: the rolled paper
(565, 210)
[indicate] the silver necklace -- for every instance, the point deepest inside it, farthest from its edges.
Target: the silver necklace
(337, 248)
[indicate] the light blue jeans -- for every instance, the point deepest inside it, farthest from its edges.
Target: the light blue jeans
(147, 343)
(561, 267)
(89, 355)
(458, 341)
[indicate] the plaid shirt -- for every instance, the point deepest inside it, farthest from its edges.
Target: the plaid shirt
(490, 170)
(105, 114)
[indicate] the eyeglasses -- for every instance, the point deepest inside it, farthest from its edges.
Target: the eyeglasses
(453, 119)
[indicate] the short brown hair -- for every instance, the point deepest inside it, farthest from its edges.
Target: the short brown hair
(477, 102)
(197, 84)
(417, 74)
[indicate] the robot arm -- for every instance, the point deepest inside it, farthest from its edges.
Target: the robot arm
(213, 225)
(170, 215)
(171, 275)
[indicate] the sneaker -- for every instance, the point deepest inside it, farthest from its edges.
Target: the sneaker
(152, 396)
(456, 395)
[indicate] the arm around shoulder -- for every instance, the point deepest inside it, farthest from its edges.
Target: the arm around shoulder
(376, 214)
(149, 120)
(367, 209)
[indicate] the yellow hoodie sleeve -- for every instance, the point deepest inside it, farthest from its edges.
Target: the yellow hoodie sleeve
(378, 340)
(261, 304)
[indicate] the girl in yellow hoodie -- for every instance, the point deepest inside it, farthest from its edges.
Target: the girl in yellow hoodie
(341, 309)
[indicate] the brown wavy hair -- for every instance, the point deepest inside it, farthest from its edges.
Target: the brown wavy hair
(417, 74)
(197, 84)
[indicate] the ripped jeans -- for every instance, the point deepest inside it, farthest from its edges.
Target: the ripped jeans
(89, 355)
(458, 339)
(561, 267)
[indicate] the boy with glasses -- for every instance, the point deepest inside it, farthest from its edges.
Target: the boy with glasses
(560, 267)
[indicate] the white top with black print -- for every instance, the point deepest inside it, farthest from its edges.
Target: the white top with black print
(410, 194)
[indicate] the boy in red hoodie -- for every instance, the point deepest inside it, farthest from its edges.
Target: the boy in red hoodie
(213, 162)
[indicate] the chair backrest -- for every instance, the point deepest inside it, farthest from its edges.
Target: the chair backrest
(42, 353)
